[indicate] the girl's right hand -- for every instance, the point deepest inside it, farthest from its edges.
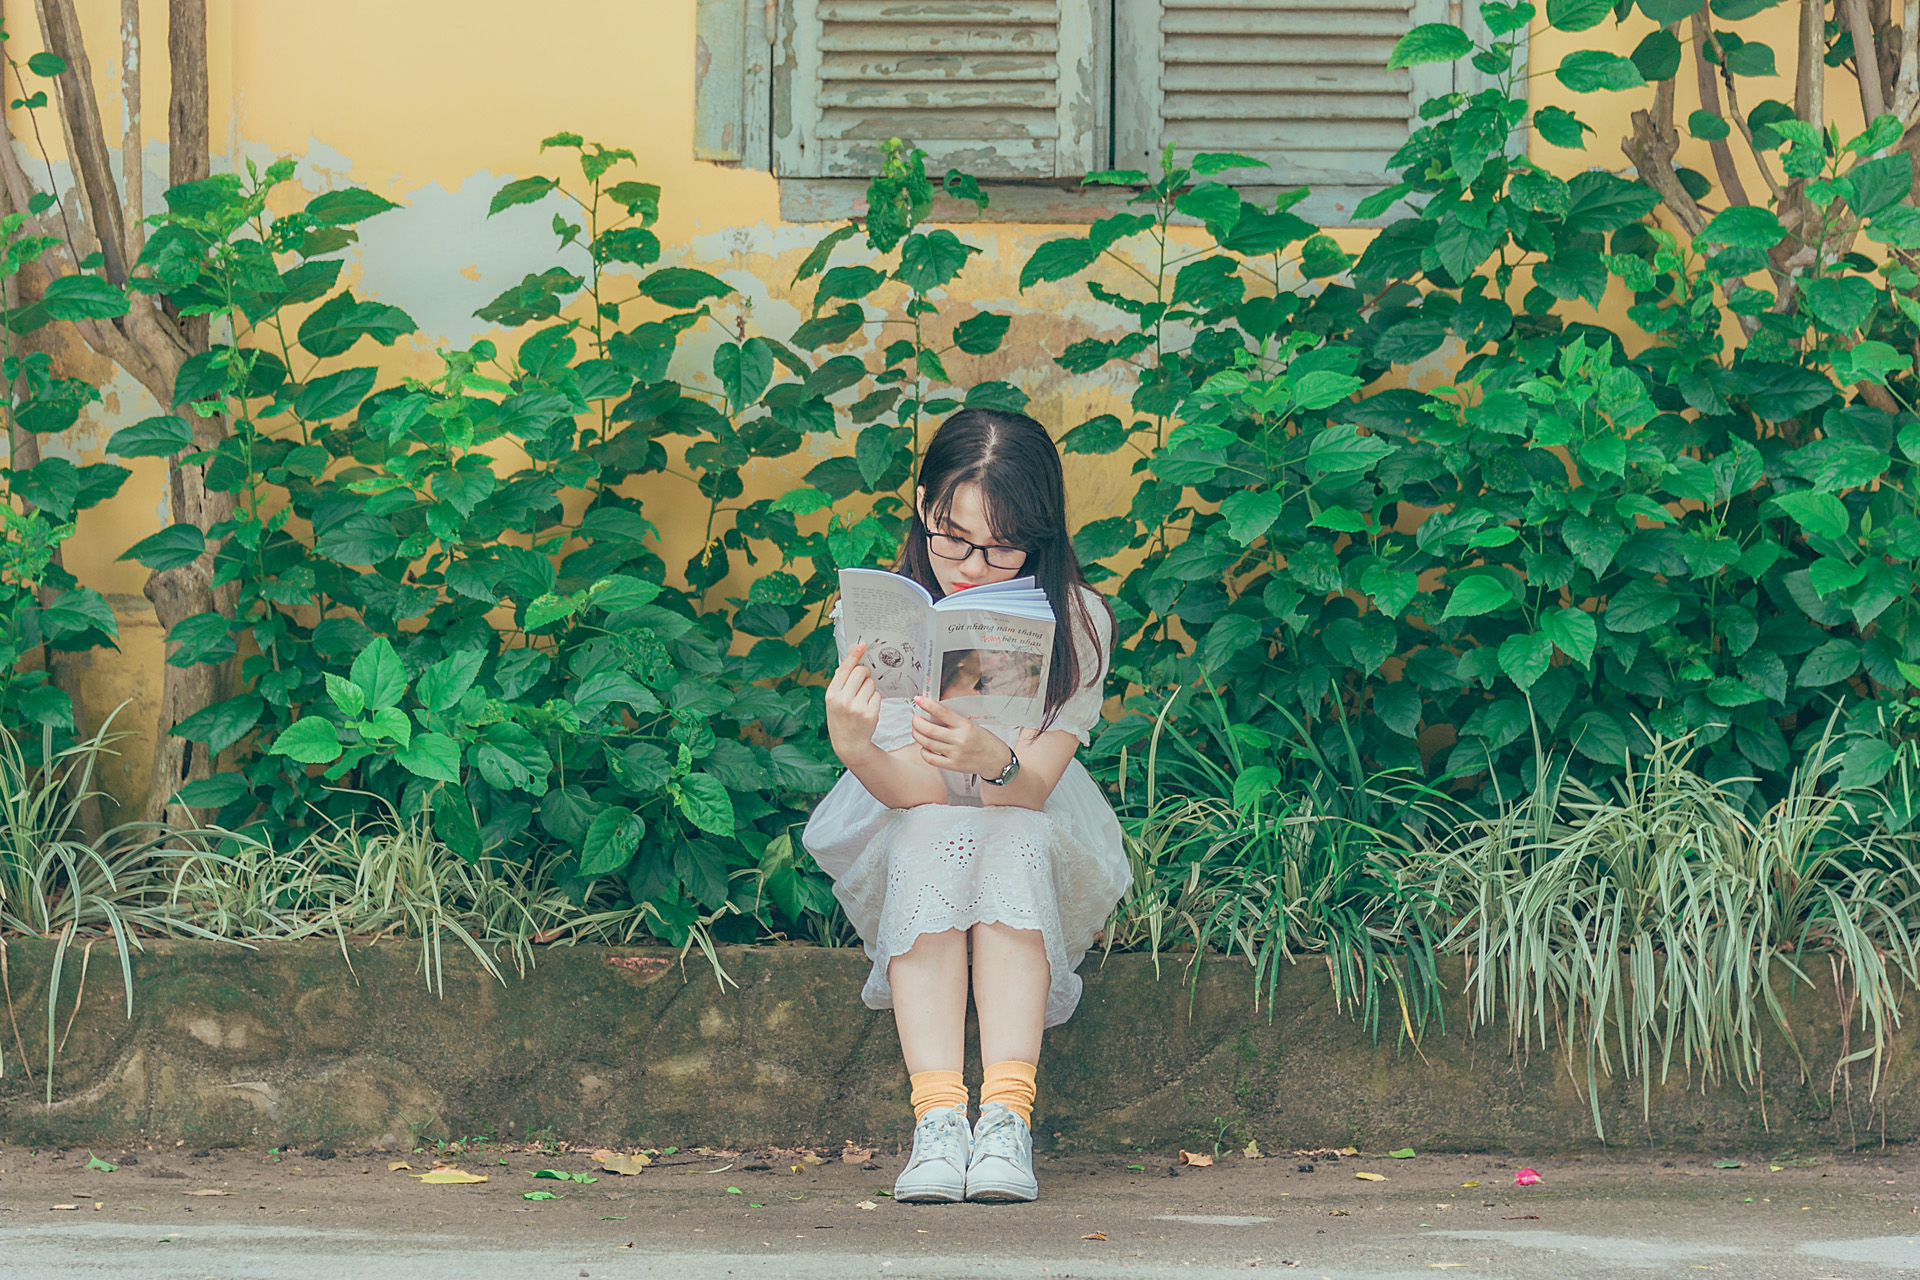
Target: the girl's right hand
(853, 707)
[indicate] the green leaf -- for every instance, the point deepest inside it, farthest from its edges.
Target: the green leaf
(1391, 589)
(931, 260)
(612, 838)
(381, 675)
(682, 287)
(1867, 762)
(441, 685)
(335, 394)
(1525, 658)
(1879, 184)
(1821, 515)
(1231, 635)
(981, 334)
(453, 823)
(173, 546)
(204, 637)
(1780, 391)
(509, 757)
(705, 802)
(1657, 57)
(1577, 15)
(1744, 226)
(1561, 128)
(1057, 260)
(816, 259)
(1573, 632)
(1640, 606)
(217, 792)
(151, 438)
(1477, 595)
(46, 64)
(1596, 71)
(82, 297)
(349, 697)
(222, 724)
(1341, 449)
(349, 205)
(431, 755)
(1252, 783)
(1707, 126)
(1250, 513)
(1598, 736)
(1842, 303)
(1103, 538)
(1430, 42)
(1831, 663)
(521, 191)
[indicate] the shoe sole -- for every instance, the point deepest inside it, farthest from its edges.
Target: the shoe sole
(1002, 1194)
(926, 1197)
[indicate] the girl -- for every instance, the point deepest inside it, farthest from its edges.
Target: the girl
(955, 846)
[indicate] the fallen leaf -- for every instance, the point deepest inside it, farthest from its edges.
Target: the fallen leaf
(1095, 1235)
(1138, 1168)
(95, 1162)
(1445, 1266)
(208, 1192)
(1371, 1177)
(63, 1208)
(538, 1195)
(395, 1166)
(1253, 1151)
(866, 1204)
(1406, 1153)
(1526, 1178)
(856, 1155)
(448, 1177)
(1718, 1164)
(794, 1169)
(722, 1169)
(616, 1162)
(560, 1175)
(1195, 1158)
(1474, 1183)
(1339, 1213)
(1522, 1217)
(1776, 1168)
(1347, 1151)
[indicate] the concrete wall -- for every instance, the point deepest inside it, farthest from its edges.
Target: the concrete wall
(287, 1045)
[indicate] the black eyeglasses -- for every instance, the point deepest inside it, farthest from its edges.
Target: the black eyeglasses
(951, 548)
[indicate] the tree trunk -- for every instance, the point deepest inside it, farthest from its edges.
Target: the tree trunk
(187, 591)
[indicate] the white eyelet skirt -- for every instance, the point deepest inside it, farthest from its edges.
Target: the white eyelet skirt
(901, 873)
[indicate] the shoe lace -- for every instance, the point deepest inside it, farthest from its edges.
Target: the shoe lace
(938, 1137)
(998, 1134)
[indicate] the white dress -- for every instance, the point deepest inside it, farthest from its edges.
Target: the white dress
(900, 873)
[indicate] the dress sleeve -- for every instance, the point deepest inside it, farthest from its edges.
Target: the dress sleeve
(1081, 712)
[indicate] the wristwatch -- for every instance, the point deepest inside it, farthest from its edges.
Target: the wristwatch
(1007, 774)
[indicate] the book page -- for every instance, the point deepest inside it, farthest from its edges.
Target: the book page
(887, 613)
(994, 667)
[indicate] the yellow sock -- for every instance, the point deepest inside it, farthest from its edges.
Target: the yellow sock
(1010, 1083)
(937, 1089)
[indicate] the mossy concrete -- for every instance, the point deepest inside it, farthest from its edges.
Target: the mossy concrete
(288, 1045)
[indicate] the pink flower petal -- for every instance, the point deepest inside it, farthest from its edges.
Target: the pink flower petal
(1525, 1178)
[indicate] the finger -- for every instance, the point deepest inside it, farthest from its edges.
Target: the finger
(936, 711)
(852, 660)
(934, 732)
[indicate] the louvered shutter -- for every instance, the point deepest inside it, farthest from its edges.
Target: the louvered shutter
(1300, 84)
(994, 88)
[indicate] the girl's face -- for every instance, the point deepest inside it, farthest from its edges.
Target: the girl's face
(967, 521)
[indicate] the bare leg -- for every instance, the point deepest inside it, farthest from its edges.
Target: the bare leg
(930, 1001)
(1010, 981)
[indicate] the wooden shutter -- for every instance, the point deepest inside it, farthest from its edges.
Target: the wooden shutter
(1300, 84)
(994, 88)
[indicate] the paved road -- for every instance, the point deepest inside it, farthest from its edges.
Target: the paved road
(295, 1217)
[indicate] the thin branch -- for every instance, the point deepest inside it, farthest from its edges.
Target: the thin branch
(133, 164)
(1739, 117)
(1906, 93)
(1651, 151)
(1730, 184)
(1810, 76)
(85, 136)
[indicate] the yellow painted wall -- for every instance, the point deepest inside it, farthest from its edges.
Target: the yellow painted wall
(436, 103)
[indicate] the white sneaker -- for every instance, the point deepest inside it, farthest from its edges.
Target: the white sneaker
(1002, 1164)
(937, 1172)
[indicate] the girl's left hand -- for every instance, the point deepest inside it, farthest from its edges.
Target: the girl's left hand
(948, 740)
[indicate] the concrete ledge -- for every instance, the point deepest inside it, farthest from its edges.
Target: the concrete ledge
(287, 1046)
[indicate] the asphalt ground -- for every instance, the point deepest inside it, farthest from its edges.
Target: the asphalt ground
(327, 1214)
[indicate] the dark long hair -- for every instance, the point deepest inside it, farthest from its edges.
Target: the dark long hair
(1013, 460)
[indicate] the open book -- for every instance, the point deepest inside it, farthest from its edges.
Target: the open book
(985, 652)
